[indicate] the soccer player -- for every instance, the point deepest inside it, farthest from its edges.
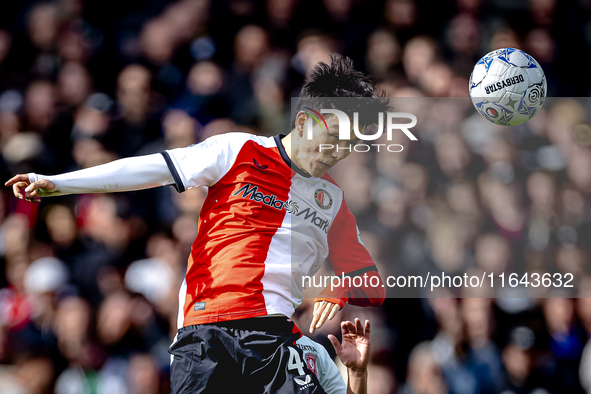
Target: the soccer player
(272, 215)
(353, 353)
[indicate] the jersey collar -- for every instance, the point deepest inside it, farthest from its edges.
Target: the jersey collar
(286, 158)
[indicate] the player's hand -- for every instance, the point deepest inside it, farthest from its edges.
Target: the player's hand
(323, 310)
(31, 189)
(354, 351)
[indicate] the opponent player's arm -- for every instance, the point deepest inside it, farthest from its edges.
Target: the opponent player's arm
(135, 173)
(354, 354)
(356, 381)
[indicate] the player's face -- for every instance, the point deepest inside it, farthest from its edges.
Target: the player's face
(325, 149)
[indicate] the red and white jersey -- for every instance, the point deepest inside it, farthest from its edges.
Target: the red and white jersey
(263, 226)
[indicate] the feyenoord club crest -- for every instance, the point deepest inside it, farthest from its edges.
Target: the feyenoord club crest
(323, 199)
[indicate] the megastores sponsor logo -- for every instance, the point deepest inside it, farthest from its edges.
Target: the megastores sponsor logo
(252, 193)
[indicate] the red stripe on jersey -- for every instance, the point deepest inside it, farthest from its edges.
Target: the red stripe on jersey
(239, 218)
(346, 253)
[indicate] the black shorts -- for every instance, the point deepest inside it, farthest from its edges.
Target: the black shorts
(241, 356)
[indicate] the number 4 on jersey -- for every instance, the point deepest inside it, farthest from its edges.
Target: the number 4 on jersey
(295, 362)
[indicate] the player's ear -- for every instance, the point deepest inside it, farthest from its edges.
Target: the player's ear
(300, 122)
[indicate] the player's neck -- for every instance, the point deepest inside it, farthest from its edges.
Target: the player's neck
(286, 141)
(292, 151)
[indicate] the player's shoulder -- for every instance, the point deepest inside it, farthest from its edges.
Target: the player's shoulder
(240, 138)
(333, 188)
(309, 346)
(307, 343)
(316, 356)
(330, 179)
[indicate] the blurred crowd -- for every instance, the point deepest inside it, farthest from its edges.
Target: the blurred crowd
(88, 295)
(470, 198)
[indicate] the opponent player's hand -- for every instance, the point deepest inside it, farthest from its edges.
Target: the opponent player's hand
(354, 351)
(323, 310)
(32, 190)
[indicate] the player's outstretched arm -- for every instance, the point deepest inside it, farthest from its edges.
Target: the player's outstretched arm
(22, 181)
(134, 173)
(354, 354)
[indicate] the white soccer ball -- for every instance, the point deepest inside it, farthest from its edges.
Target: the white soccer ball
(508, 86)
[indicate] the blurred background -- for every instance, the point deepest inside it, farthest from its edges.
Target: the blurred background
(88, 290)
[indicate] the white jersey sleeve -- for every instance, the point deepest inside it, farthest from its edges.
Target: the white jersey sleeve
(318, 361)
(134, 173)
(205, 163)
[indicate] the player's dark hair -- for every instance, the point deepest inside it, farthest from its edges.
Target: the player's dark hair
(340, 79)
